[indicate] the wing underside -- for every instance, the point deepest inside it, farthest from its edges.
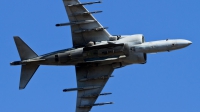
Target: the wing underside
(84, 27)
(92, 80)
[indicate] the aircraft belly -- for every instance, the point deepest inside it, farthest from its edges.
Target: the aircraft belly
(95, 53)
(103, 53)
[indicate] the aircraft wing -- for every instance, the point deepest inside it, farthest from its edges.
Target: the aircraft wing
(84, 27)
(92, 80)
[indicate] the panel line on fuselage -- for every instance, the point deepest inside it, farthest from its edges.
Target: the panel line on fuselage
(59, 51)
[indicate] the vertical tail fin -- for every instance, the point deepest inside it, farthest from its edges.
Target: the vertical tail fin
(25, 52)
(27, 70)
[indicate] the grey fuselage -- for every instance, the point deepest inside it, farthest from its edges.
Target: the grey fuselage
(120, 51)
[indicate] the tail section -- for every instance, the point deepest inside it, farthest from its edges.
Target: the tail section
(25, 52)
(27, 72)
(28, 69)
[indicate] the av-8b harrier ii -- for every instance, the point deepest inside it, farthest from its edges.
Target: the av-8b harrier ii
(95, 54)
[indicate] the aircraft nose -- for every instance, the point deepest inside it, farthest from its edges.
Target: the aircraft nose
(183, 43)
(186, 42)
(189, 42)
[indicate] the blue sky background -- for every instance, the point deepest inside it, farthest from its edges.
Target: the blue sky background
(168, 82)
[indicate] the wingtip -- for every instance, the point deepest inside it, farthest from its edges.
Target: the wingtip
(16, 37)
(20, 88)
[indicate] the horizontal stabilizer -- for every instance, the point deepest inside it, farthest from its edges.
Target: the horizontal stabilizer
(27, 72)
(24, 50)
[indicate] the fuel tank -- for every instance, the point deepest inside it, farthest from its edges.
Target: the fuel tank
(160, 46)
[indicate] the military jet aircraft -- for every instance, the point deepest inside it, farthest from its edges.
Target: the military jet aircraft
(95, 54)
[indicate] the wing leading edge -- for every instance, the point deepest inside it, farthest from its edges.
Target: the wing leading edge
(84, 27)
